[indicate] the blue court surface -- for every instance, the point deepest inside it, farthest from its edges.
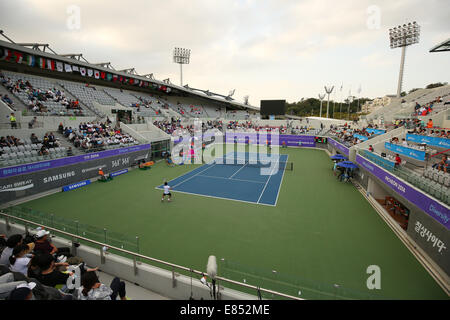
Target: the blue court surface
(241, 180)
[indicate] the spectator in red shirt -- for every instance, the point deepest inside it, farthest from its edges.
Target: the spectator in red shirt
(398, 160)
(43, 245)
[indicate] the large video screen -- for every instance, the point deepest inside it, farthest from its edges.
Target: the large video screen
(272, 107)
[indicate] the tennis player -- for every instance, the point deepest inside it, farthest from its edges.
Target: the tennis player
(166, 192)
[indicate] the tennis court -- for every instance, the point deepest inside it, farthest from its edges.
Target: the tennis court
(239, 176)
(321, 232)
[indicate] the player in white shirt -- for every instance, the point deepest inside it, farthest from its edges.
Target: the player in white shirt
(166, 192)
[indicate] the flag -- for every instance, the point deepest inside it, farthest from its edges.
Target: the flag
(109, 76)
(120, 79)
(83, 71)
(59, 66)
(97, 74)
(75, 69)
(7, 54)
(114, 77)
(131, 81)
(51, 64)
(30, 60)
(17, 57)
(102, 75)
(42, 63)
(67, 67)
(90, 72)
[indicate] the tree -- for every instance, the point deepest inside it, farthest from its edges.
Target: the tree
(435, 85)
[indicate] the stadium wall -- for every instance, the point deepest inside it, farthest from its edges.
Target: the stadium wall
(428, 220)
(29, 179)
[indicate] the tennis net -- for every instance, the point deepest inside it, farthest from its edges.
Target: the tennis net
(253, 162)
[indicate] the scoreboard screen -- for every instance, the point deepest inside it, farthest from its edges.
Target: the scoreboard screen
(273, 107)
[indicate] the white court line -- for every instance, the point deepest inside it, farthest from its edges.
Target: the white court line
(260, 182)
(270, 176)
(239, 170)
(279, 187)
(203, 195)
(192, 176)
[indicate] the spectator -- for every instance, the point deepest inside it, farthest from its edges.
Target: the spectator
(371, 148)
(13, 121)
(430, 124)
(49, 274)
(43, 151)
(92, 289)
(11, 243)
(443, 164)
(20, 258)
(34, 139)
(43, 245)
(404, 143)
(398, 160)
(23, 292)
(32, 123)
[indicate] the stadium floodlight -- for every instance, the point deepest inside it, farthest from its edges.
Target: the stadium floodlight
(181, 56)
(401, 37)
(328, 90)
(321, 97)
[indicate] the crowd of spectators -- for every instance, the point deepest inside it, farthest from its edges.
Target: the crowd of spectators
(347, 134)
(33, 268)
(94, 136)
(36, 96)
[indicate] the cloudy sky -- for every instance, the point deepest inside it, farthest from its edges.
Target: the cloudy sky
(266, 49)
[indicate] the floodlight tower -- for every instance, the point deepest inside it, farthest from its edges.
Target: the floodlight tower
(181, 56)
(403, 36)
(321, 97)
(328, 90)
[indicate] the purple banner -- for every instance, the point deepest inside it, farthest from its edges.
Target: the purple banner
(254, 138)
(339, 146)
(49, 164)
(430, 206)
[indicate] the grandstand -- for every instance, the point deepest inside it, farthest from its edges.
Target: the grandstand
(93, 153)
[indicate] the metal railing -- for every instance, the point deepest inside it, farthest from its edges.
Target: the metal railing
(172, 266)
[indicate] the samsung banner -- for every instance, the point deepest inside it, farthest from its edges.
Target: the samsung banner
(431, 141)
(76, 185)
(50, 164)
(409, 152)
(339, 146)
(433, 208)
(69, 176)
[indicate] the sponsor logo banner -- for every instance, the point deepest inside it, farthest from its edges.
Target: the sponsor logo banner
(431, 141)
(76, 185)
(256, 138)
(433, 208)
(45, 165)
(409, 152)
(339, 146)
(360, 137)
(17, 186)
(118, 173)
(375, 131)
